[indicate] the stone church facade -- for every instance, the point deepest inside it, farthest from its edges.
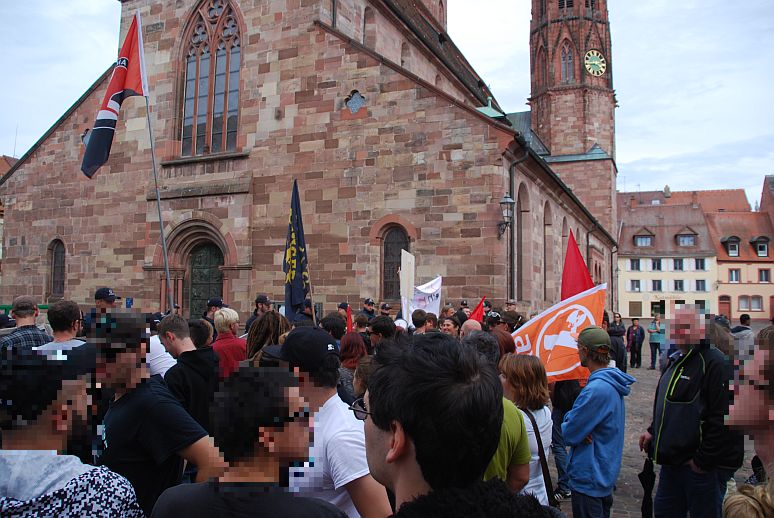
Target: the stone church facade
(376, 113)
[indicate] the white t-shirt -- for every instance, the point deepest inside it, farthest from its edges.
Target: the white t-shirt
(59, 346)
(536, 485)
(336, 458)
(158, 359)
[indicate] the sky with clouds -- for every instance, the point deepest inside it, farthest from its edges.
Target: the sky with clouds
(693, 78)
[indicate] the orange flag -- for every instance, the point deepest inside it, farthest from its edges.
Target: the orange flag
(552, 336)
(478, 313)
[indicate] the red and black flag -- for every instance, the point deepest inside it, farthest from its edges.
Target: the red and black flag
(128, 79)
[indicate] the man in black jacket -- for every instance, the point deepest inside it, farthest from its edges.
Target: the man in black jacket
(194, 379)
(687, 436)
(437, 384)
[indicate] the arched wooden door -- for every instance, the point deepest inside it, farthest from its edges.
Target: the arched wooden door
(205, 277)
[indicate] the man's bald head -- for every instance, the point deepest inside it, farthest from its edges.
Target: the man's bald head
(469, 326)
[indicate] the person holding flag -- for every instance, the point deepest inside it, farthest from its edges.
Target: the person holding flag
(295, 263)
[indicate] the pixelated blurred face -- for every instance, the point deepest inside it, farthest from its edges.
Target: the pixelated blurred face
(688, 327)
(751, 408)
(116, 369)
(76, 397)
(343, 312)
(296, 436)
(377, 443)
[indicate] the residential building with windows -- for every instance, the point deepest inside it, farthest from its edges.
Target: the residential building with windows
(745, 261)
(665, 256)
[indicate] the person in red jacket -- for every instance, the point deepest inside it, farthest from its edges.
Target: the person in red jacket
(230, 349)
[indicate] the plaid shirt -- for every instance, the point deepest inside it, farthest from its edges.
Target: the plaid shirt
(25, 337)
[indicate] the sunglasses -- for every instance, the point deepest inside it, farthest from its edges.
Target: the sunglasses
(359, 409)
(302, 415)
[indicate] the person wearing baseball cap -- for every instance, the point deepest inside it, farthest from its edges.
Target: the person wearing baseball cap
(342, 309)
(338, 449)
(42, 400)
(104, 299)
(262, 306)
(368, 308)
(384, 309)
(26, 335)
(594, 428)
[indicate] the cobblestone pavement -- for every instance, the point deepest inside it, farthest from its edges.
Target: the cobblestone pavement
(639, 410)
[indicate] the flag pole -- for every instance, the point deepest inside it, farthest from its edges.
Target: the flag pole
(170, 301)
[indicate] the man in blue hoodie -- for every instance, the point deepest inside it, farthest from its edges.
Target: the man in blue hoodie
(594, 428)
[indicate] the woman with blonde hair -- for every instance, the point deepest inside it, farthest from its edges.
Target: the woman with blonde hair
(526, 385)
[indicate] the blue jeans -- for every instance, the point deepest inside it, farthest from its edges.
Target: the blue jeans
(682, 491)
(585, 506)
(654, 350)
(560, 450)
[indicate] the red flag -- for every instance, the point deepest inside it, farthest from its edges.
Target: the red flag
(128, 79)
(349, 318)
(478, 313)
(575, 276)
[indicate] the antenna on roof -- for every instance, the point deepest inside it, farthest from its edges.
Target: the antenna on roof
(15, 138)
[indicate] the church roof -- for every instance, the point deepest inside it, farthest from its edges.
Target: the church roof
(522, 122)
(414, 16)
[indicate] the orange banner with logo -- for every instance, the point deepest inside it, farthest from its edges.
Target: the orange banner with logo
(552, 336)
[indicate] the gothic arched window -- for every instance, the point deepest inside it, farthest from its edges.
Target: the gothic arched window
(568, 64)
(56, 252)
(211, 97)
(395, 240)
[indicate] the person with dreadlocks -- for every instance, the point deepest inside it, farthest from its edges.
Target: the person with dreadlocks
(266, 331)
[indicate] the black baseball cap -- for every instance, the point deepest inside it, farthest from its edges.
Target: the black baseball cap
(385, 306)
(343, 305)
(216, 302)
(262, 299)
(463, 303)
(305, 348)
(369, 301)
(106, 294)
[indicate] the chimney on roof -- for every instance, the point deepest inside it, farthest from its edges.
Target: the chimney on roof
(632, 202)
(667, 192)
(694, 199)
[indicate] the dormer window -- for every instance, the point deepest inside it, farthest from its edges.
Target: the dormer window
(732, 245)
(643, 240)
(686, 240)
(761, 246)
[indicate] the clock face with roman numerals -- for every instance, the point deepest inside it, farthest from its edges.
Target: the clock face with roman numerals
(595, 63)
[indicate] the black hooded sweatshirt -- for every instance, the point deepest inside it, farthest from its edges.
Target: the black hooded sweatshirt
(193, 381)
(490, 499)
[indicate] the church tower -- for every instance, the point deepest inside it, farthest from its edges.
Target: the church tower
(573, 102)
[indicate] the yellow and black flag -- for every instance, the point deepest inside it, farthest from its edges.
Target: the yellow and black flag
(295, 264)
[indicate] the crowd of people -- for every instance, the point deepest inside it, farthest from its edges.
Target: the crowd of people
(366, 413)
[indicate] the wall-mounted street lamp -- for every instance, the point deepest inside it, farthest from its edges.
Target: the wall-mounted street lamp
(506, 206)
